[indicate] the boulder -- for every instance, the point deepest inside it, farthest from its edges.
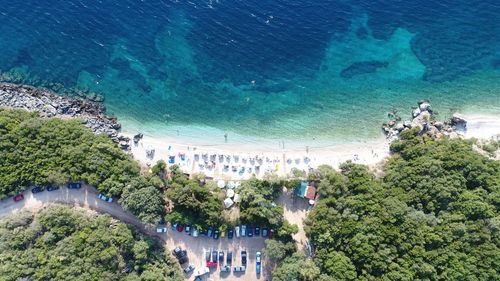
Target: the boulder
(416, 112)
(439, 125)
(458, 119)
(425, 106)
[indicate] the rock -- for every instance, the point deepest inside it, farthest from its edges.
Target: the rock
(123, 144)
(400, 127)
(439, 125)
(50, 104)
(458, 119)
(416, 112)
(138, 137)
(407, 124)
(425, 106)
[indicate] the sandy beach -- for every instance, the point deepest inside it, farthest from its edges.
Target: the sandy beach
(235, 163)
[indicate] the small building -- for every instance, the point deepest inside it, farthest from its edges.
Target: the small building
(305, 190)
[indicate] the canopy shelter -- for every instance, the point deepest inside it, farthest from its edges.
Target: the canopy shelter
(305, 190)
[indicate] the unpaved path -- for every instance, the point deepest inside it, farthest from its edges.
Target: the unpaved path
(86, 197)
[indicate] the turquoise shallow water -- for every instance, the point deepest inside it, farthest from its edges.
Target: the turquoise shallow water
(299, 71)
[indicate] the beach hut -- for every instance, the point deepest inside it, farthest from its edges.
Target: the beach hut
(305, 190)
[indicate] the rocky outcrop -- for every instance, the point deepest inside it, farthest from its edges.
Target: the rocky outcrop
(50, 104)
(423, 118)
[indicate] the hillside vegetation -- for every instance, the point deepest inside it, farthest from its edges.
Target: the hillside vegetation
(434, 215)
(60, 243)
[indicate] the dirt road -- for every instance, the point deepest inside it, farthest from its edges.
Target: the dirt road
(86, 197)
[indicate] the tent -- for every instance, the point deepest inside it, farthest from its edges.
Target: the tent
(228, 202)
(221, 184)
(237, 198)
(230, 193)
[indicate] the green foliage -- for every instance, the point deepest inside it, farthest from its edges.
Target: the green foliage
(35, 151)
(275, 250)
(298, 267)
(433, 216)
(144, 198)
(60, 243)
(194, 202)
(159, 168)
(257, 206)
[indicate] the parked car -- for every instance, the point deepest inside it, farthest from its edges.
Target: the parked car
(183, 260)
(239, 268)
(221, 257)
(201, 271)
(174, 226)
(74, 185)
(223, 234)
(52, 188)
(257, 231)
(265, 232)
(258, 257)
(179, 253)
(103, 197)
(209, 264)
(243, 230)
(250, 231)
(237, 231)
(214, 256)
(180, 227)
(195, 232)
(162, 222)
(207, 256)
(216, 234)
(188, 229)
(161, 229)
(18, 198)
(36, 190)
(229, 258)
(210, 232)
(230, 233)
(244, 257)
(271, 233)
(225, 268)
(189, 268)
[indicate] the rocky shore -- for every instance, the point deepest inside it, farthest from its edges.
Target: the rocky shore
(423, 118)
(50, 104)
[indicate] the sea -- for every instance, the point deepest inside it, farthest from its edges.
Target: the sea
(268, 73)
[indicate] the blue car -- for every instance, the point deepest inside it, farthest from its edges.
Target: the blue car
(230, 233)
(36, 190)
(257, 231)
(174, 226)
(249, 231)
(52, 188)
(210, 232)
(74, 185)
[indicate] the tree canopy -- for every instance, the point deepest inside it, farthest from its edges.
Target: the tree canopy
(60, 243)
(432, 216)
(41, 152)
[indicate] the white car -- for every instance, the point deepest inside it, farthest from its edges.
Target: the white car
(105, 198)
(237, 231)
(161, 229)
(195, 232)
(201, 271)
(258, 257)
(243, 230)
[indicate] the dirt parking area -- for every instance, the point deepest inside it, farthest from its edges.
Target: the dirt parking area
(196, 248)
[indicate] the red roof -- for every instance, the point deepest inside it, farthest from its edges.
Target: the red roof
(311, 192)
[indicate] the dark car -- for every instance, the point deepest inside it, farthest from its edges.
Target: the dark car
(257, 231)
(214, 256)
(18, 198)
(249, 231)
(162, 222)
(188, 229)
(52, 188)
(189, 268)
(216, 234)
(36, 190)
(183, 260)
(230, 233)
(179, 253)
(265, 232)
(221, 257)
(74, 185)
(210, 232)
(271, 232)
(229, 258)
(207, 256)
(174, 226)
(244, 257)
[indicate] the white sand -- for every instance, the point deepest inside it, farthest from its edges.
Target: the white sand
(200, 158)
(280, 162)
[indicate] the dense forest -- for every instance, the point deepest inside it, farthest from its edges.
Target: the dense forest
(42, 152)
(60, 243)
(433, 215)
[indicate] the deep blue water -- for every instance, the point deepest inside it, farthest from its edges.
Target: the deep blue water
(267, 68)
